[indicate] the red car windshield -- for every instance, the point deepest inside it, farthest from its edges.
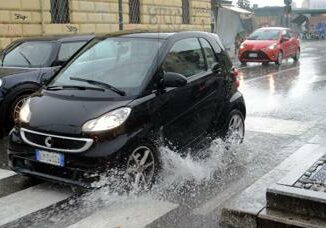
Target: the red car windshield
(265, 34)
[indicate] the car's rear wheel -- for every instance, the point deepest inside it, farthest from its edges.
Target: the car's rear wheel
(243, 63)
(142, 167)
(297, 56)
(236, 128)
(279, 58)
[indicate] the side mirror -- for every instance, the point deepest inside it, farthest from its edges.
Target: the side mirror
(285, 39)
(172, 79)
(217, 68)
(58, 63)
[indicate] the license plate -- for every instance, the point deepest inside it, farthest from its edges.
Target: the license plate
(50, 158)
(253, 55)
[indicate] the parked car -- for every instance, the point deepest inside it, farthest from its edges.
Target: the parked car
(271, 44)
(25, 65)
(119, 96)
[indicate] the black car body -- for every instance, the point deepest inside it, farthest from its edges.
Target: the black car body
(71, 117)
(27, 63)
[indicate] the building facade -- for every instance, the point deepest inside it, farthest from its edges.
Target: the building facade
(26, 18)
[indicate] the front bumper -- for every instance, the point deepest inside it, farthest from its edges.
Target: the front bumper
(83, 169)
(262, 55)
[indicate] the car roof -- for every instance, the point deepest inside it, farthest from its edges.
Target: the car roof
(60, 38)
(150, 34)
(274, 28)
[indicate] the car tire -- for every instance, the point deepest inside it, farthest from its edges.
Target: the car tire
(265, 63)
(279, 59)
(297, 56)
(13, 98)
(16, 107)
(243, 63)
(141, 166)
(235, 129)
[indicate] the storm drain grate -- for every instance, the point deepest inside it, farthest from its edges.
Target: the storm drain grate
(315, 177)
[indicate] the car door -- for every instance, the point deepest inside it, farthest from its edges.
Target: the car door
(286, 44)
(187, 110)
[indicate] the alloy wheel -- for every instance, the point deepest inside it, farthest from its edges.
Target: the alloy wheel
(17, 107)
(236, 129)
(141, 168)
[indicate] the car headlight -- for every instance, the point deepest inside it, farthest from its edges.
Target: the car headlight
(25, 112)
(272, 47)
(1, 82)
(107, 121)
(242, 46)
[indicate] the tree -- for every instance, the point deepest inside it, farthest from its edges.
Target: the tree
(244, 4)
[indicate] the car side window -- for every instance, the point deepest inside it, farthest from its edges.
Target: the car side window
(186, 58)
(68, 49)
(209, 53)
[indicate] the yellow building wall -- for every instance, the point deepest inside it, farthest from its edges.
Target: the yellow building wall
(26, 18)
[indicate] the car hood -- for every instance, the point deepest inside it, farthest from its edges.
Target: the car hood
(258, 44)
(66, 115)
(8, 71)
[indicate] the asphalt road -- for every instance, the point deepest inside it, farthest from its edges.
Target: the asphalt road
(286, 108)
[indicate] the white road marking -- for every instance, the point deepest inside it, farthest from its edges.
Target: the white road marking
(131, 213)
(277, 126)
(22, 203)
(6, 173)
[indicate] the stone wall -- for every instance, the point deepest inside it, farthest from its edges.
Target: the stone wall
(25, 18)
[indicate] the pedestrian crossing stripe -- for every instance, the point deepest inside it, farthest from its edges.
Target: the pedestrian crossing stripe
(6, 173)
(278, 126)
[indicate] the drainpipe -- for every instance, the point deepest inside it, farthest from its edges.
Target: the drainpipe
(120, 16)
(42, 17)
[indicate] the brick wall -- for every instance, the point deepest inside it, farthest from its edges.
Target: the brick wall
(25, 18)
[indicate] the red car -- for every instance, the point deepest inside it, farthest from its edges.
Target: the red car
(272, 44)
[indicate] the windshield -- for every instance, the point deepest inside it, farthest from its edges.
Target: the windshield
(120, 62)
(265, 34)
(29, 54)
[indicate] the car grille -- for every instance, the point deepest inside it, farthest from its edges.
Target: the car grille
(55, 142)
(260, 55)
(28, 165)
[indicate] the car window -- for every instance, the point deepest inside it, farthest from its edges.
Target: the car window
(68, 49)
(209, 53)
(265, 34)
(286, 34)
(29, 54)
(186, 58)
(120, 62)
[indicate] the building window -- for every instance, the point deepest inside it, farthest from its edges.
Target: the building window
(59, 11)
(134, 12)
(185, 12)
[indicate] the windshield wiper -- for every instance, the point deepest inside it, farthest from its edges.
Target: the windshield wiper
(72, 87)
(101, 84)
(24, 56)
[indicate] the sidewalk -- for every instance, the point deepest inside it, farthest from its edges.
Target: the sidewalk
(276, 198)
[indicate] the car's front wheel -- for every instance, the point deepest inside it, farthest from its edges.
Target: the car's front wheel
(279, 59)
(235, 128)
(142, 166)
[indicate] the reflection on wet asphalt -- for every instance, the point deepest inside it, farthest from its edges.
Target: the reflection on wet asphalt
(285, 108)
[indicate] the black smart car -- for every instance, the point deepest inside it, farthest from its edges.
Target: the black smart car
(120, 95)
(26, 64)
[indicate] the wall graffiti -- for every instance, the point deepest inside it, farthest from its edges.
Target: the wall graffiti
(172, 17)
(19, 16)
(72, 28)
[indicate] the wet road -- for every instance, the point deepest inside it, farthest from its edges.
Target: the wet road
(286, 108)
